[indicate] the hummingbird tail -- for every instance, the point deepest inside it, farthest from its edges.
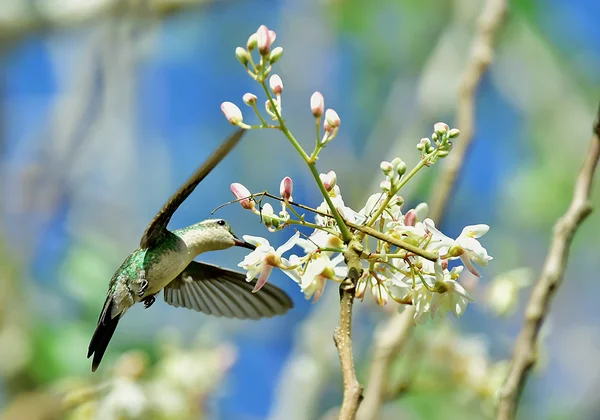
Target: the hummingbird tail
(104, 332)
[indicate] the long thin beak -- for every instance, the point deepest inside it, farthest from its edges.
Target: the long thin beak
(243, 244)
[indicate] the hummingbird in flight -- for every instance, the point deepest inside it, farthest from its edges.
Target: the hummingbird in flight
(165, 260)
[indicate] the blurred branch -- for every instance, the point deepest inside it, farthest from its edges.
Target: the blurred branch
(550, 279)
(482, 51)
(17, 21)
(392, 335)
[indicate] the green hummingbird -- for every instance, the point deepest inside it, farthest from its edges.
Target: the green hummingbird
(165, 260)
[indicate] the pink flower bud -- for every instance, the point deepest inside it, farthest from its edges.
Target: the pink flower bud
(441, 128)
(249, 99)
(317, 104)
(285, 188)
(332, 118)
(272, 36)
(263, 40)
(242, 194)
(386, 167)
(410, 218)
(276, 84)
(444, 263)
(329, 180)
(232, 113)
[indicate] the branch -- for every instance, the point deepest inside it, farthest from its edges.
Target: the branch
(550, 279)
(392, 336)
(343, 333)
(482, 51)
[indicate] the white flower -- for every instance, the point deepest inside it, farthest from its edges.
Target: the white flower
(466, 246)
(262, 260)
(318, 271)
(319, 240)
(447, 295)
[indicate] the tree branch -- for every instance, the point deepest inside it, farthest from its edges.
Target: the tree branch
(392, 336)
(482, 51)
(550, 279)
(343, 333)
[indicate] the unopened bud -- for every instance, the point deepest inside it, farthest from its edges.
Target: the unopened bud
(252, 42)
(275, 55)
(454, 133)
(242, 55)
(386, 167)
(440, 128)
(232, 113)
(360, 289)
(249, 99)
(443, 153)
(421, 211)
(401, 169)
(423, 144)
(263, 41)
(243, 195)
(444, 263)
(329, 180)
(317, 104)
(276, 84)
(285, 188)
(332, 118)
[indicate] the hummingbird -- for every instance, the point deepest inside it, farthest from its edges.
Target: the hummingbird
(165, 261)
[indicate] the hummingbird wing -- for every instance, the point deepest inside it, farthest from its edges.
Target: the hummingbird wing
(158, 226)
(221, 292)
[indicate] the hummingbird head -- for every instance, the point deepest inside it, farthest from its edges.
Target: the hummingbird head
(221, 235)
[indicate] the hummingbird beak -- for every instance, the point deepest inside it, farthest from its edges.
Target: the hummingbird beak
(242, 243)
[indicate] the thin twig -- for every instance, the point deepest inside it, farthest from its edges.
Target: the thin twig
(482, 51)
(550, 279)
(393, 334)
(343, 333)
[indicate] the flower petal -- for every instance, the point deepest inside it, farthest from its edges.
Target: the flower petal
(262, 279)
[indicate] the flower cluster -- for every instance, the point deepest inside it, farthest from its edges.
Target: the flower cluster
(404, 257)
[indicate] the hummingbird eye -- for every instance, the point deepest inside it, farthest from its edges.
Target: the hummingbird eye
(221, 222)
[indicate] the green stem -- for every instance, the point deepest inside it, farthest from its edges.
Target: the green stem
(402, 183)
(346, 235)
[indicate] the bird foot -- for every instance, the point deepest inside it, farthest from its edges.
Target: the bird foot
(148, 301)
(143, 288)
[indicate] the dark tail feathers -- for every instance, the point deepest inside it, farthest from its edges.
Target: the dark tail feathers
(104, 332)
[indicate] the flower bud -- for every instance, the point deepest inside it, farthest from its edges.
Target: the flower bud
(401, 169)
(263, 41)
(329, 180)
(242, 194)
(242, 56)
(424, 144)
(332, 118)
(443, 153)
(386, 167)
(440, 128)
(267, 214)
(249, 99)
(359, 293)
(252, 42)
(276, 84)
(232, 113)
(285, 188)
(275, 55)
(454, 133)
(317, 104)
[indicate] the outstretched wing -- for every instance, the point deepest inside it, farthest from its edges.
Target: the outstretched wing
(159, 225)
(221, 292)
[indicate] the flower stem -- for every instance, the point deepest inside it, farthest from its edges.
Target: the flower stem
(402, 183)
(346, 235)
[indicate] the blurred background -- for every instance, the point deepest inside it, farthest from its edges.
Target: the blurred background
(107, 106)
